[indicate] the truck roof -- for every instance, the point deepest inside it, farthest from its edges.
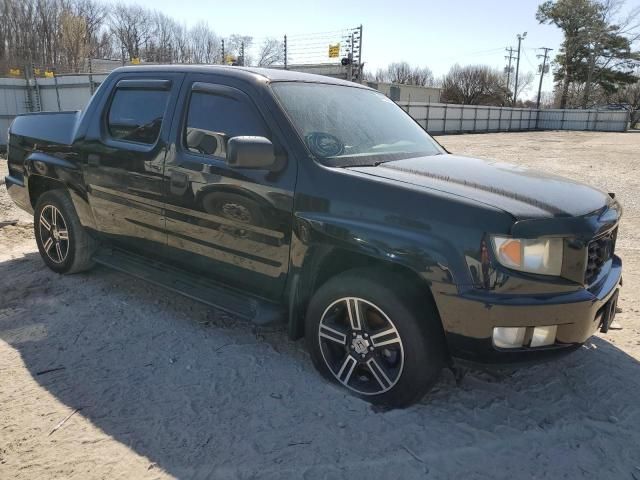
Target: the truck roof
(244, 73)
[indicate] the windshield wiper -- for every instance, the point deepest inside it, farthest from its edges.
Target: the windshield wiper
(372, 160)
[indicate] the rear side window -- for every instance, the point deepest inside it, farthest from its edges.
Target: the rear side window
(136, 115)
(213, 119)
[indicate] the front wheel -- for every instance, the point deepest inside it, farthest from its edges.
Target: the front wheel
(64, 244)
(377, 335)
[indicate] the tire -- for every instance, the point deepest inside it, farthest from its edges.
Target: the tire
(397, 353)
(64, 244)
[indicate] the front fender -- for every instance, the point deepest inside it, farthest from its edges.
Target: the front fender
(316, 237)
(431, 257)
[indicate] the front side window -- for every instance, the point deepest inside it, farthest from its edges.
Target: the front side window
(213, 119)
(348, 126)
(136, 115)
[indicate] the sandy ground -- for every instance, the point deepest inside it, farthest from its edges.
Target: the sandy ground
(163, 387)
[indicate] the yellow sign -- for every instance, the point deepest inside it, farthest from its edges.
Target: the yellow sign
(14, 71)
(135, 61)
(36, 71)
(48, 74)
(334, 50)
(229, 59)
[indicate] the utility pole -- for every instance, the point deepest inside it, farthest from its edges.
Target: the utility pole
(510, 58)
(350, 66)
(241, 63)
(223, 61)
(515, 88)
(91, 86)
(542, 72)
(285, 52)
(360, 65)
(360, 45)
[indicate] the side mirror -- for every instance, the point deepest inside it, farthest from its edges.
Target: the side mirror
(251, 152)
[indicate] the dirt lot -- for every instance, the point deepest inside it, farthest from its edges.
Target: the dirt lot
(164, 387)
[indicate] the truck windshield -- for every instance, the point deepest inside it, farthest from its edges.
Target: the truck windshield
(347, 126)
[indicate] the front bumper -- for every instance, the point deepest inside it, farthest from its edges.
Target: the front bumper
(469, 318)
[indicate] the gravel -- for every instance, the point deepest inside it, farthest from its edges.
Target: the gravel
(147, 384)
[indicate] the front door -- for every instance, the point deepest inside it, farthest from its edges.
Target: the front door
(230, 224)
(123, 159)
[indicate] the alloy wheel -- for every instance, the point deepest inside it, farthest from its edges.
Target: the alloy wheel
(361, 346)
(54, 235)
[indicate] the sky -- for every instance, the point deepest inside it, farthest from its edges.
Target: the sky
(436, 34)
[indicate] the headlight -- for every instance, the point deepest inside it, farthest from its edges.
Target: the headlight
(539, 255)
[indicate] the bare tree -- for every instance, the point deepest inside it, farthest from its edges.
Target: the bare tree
(181, 44)
(93, 14)
(474, 85)
(73, 39)
(49, 23)
(525, 80)
(64, 33)
(381, 75)
(405, 74)
(103, 47)
(161, 46)
(132, 28)
(205, 44)
(421, 76)
(21, 24)
(234, 45)
(399, 72)
(271, 52)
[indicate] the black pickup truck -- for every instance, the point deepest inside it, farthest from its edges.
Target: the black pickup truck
(281, 196)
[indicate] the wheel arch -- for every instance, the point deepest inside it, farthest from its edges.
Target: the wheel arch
(324, 257)
(38, 184)
(46, 172)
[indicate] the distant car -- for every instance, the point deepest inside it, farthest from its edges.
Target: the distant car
(282, 196)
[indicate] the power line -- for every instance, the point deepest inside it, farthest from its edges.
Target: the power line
(317, 34)
(526, 57)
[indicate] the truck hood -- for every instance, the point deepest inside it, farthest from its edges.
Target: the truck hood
(524, 193)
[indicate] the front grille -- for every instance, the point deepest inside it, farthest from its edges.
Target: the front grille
(599, 252)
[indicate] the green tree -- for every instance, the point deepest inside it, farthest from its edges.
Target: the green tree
(595, 51)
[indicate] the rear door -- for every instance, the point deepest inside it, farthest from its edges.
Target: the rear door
(230, 224)
(123, 159)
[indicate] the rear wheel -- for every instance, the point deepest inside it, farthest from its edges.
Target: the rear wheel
(384, 343)
(64, 244)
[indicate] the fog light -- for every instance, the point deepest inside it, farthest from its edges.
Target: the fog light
(509, 337)
(544, 336)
